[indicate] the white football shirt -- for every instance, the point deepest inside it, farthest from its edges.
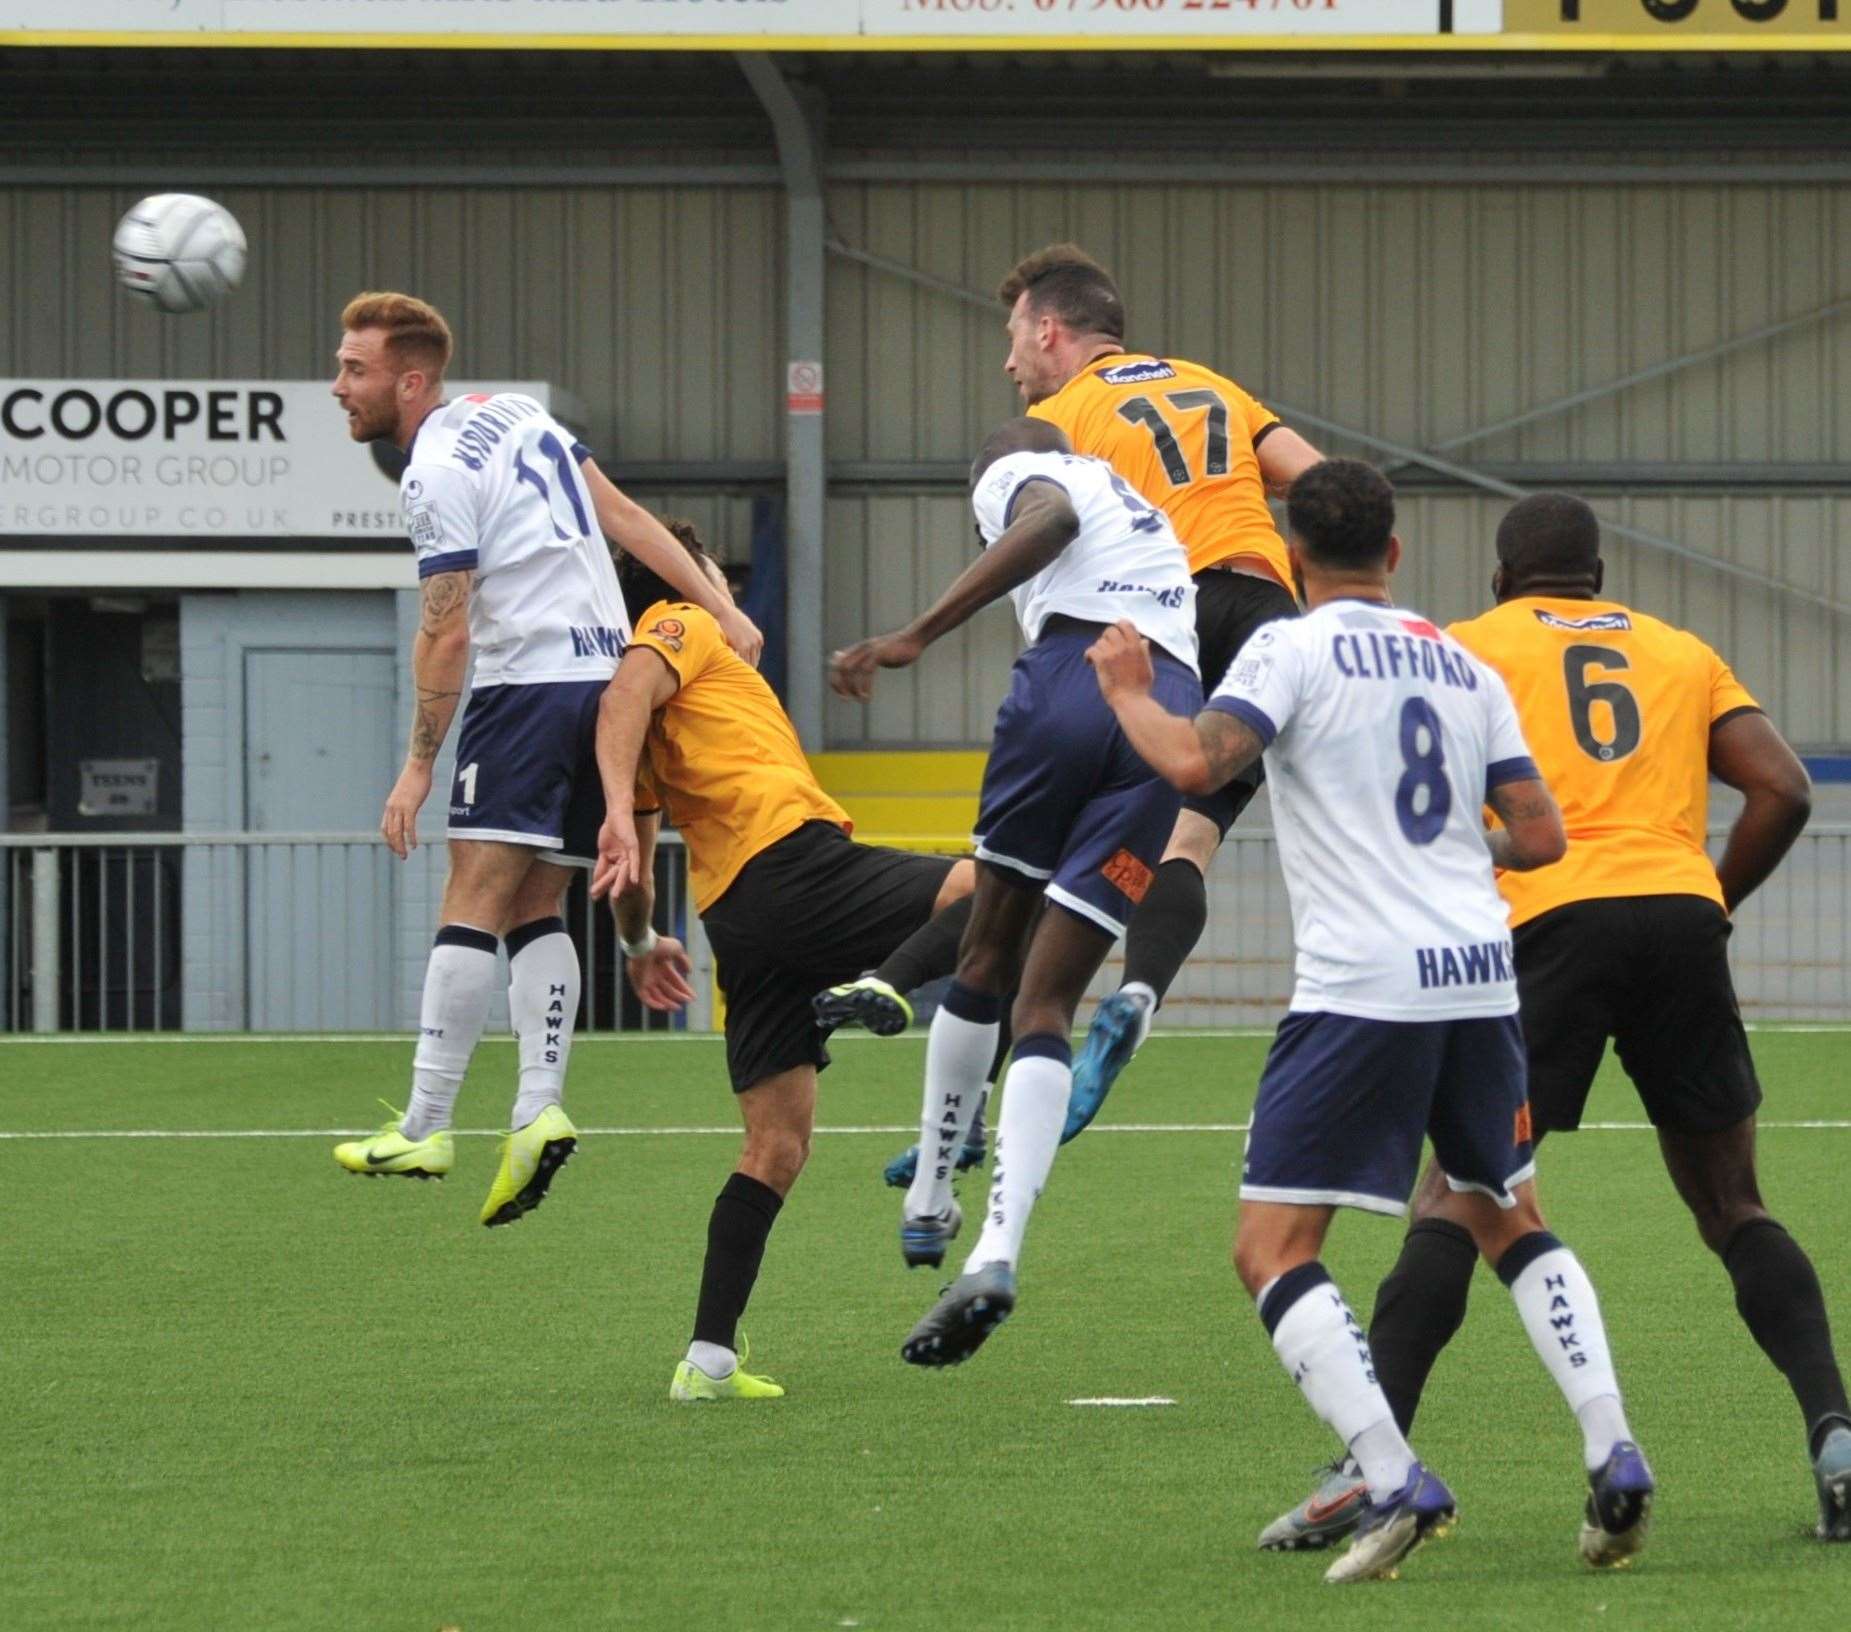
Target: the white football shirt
(1125, 562)
(494, 488)
(1383, 737)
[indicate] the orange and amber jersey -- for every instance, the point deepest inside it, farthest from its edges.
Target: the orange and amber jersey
(721, 754)
(1184, 438)
(1617, 708)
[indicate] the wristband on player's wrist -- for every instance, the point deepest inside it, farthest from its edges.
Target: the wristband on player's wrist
(642, 948)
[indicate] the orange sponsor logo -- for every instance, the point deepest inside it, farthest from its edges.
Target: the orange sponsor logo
(1128, 875)
(669, 631)
(1524, 1132)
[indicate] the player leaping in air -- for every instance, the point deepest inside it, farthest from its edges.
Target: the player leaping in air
(1193, 443)
(1383, 739)
(1067, 813)
(508, 515)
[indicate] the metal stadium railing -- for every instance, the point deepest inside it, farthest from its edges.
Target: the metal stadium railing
(263, 932)
(327, 932)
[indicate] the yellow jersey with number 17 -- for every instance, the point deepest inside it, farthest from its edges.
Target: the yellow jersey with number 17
(1184, 437)
(1617, 708)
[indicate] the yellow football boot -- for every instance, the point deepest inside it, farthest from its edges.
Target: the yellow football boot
(389, 1151)
(530, 1156)
(692, 1385)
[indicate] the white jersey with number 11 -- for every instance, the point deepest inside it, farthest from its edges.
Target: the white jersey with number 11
(494, 488)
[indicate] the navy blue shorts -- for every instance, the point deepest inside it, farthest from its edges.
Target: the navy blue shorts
(1344, 1104)
(527, 769)
(1067, 804)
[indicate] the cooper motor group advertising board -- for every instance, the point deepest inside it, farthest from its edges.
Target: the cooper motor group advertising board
(913, 25)
(196, 460)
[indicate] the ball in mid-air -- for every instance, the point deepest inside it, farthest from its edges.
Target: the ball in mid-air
(179, 252)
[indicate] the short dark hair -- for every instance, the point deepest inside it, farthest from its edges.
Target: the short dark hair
(1342, 512)
(1065, 282)
(1549, 535)
(1024, 435)
(643, 586)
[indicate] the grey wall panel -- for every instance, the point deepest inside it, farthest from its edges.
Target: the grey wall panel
(659, 310)
(891, 554)
(1415, 312)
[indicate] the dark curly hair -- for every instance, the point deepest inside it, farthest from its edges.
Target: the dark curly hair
(1342, 512)
(642, 587)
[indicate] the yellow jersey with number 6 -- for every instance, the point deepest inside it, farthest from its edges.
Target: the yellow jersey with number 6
(1617, 708)
(1184, 437)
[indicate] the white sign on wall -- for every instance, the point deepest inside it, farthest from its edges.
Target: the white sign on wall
(724, 24)
(201, 459)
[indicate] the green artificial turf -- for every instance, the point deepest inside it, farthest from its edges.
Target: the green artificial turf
(247, 1390)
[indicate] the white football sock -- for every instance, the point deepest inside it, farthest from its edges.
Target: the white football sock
(1562, 1316)
(458, 984)
(958, 1053)
(1035, 1095)
(1326, 1353)
(715, 1361)
(543, 992)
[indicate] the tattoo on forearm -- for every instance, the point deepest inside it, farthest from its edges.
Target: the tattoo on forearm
(429, 722)
(443, 594)
(1229, 745)
(1525, 804)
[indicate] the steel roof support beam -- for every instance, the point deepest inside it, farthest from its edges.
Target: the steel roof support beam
(796, 121)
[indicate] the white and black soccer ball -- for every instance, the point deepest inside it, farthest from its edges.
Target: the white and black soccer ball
(179, 252)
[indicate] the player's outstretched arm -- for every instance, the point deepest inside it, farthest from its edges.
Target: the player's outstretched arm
(658, 965)
(630, 527)
(642, 684)
(1284, 456)
(1196, 755)
(1532, 835)
(439, 660)
(1748, 753)
(1046, 523)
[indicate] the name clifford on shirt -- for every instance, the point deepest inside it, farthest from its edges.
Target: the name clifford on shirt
(1417, 656)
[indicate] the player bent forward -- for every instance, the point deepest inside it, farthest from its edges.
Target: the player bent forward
(789, 901)
(508, 515)
(1382, 737)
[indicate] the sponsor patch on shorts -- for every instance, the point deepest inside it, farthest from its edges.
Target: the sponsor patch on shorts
(1129, 876)
(1525, 1133)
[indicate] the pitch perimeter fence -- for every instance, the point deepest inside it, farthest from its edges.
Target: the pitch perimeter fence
(327, 932)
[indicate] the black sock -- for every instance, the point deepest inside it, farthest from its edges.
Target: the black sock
(930, 952)
(742, 1216)
(1778, 1296)
(1418, 1307)
(1166, 925)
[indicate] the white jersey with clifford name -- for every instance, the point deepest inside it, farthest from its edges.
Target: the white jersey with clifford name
(1383, 738)
(494, 488)
(1125, 562)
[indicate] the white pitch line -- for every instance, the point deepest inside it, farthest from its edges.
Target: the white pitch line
(677, 1132)
(627, 1038)
(1148, 1399)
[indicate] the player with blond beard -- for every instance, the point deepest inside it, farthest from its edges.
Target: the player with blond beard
(508, 514)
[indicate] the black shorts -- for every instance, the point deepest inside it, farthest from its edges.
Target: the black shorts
(813, 910)
(1229, 606)
(1652, 973)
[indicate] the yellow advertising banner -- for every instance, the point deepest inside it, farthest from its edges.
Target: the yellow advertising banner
(1673, 25)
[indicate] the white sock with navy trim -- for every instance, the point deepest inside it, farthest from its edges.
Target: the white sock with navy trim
(1326, 1353)
(459, 982)
(1562, 1315)
(543, 993)
(1035, 1095)
(959, 1049)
